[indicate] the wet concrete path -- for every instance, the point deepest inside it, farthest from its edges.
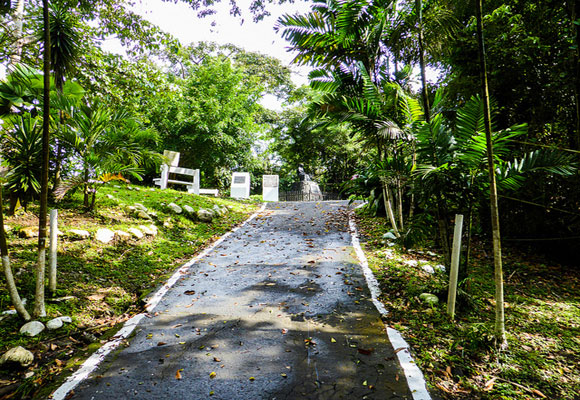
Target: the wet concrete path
(279, 310)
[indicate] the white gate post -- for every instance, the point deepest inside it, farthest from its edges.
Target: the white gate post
(52, 249)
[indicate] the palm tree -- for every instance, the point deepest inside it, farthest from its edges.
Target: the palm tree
(106, 144)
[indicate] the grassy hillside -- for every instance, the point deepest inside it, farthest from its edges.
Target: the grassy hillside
(102, 285)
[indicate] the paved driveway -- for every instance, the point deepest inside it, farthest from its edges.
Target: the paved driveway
(279, 310)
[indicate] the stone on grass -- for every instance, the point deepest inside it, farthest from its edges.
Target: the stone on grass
(28, 232)
(429, 298)
(142, 214)
(175, 208)
(389, 235)
(7, 228)
(78, 234)
(111, 197)
(53, 324)
(218, 211)
(411, 263)
(205, 215)
(122, 234)
(58, 322)
(136, 233)
(188, 209)
(32, 328)
(104, 235)
(150, 230)
(440, 267)
(17, 356)
(141, 207)
(428, 268)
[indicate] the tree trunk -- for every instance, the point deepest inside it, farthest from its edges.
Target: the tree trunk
(388, 201)
(39, 308)
(574, 10)
(10, 284)
(424, 94)
(498, 272)
(400, 203)
(18, 18)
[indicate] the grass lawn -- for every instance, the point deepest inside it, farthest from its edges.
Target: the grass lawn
(103, 284)
(458, 358)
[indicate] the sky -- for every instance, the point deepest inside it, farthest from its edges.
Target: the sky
(182, 22)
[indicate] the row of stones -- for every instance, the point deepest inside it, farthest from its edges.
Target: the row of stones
(19, 356)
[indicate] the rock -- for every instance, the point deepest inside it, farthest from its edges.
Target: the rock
(32, 328)
(78, 234)
(7, 228)
(429, 298)
(53, 324)
(175, 208)
(17, 356)
(440, 267)
(411, 263)
(122, 234)
(111, 197)
(28, 232)
(58, 322)
(205, 215)
(141, 207)
(217, 211)
(389, 235)
(431, 254)
(150, 230)
(188, 209)
(136, 233)
(428, 268)
(143, 215)
(104, 235)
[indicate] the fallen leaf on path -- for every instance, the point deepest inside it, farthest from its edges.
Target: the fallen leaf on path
(332, 340)
(284, 331)
(252, 378)
(189, 292)
(399, 349)
(161, 343)
(178, 374)
(489, 385)
(212, 375)
(366, 352)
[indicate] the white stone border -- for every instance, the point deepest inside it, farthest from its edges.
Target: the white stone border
(414, 376)
(98, 356)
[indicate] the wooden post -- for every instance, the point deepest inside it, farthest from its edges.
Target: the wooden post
(454, 265)
(52, 250)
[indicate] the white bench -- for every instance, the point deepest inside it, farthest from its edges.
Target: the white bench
(192, 184)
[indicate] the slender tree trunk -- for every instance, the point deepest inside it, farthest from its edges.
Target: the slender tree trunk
(18, 18)
(424, 94)
(388, 201)
(400, 203)
(39, 308)
(498, 272)
(10, 284)
(575, 13)
(86, 189)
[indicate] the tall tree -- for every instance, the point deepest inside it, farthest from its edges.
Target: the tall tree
(12, 289)
(497, 261)
(39, 306)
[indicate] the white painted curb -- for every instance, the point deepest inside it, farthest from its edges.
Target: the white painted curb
(98, 356)
(414, 376)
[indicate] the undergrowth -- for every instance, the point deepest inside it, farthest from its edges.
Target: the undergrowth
(459, 357)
